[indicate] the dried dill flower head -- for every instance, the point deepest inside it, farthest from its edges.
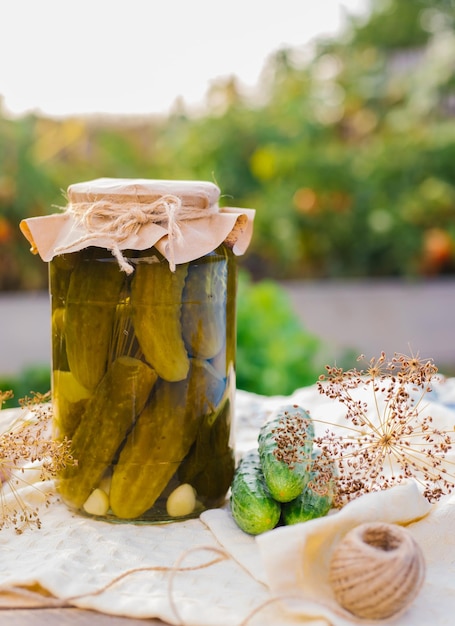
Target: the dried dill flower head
(388, 435)
(29, 458)
(291, 436)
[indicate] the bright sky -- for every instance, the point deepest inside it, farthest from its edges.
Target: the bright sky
(63, 57)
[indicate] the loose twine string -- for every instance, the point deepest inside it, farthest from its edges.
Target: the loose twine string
(69, 602)
(119, 221)
(51, 602)
(219, 556)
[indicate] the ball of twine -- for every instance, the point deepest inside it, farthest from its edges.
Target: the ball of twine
(377, 570)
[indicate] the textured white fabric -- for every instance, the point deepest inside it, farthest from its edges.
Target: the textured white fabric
(72, 555)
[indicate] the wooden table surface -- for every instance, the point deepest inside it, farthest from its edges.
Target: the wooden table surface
(26, 612)
(68, 617)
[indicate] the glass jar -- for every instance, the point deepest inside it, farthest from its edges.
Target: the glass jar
(143, 380)
(143, 288)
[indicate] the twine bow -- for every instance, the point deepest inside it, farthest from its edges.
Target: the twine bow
(119, 221)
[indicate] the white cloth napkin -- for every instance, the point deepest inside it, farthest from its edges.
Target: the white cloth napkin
(72, 555)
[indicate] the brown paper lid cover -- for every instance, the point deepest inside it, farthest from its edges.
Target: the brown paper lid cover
(182, 219)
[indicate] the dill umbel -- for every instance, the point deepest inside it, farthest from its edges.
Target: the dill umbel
(388, 435)
(27, 449)
(290, 437)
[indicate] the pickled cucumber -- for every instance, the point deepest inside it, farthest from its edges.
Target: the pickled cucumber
(204, 307)
(69, 401)
(210, 465)
(161, 438)
(60, 269)
(59, 358)
(156, 295)
(109, 414)
(92, 298)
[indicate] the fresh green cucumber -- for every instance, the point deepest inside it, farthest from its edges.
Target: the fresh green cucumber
(285, 443)
(316, 499)
(252, 507)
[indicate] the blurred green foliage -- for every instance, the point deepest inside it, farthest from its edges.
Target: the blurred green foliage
(346, 151)
(34, 379)
(275, 354)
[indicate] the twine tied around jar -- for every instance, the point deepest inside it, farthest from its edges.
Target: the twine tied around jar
(119, 221)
